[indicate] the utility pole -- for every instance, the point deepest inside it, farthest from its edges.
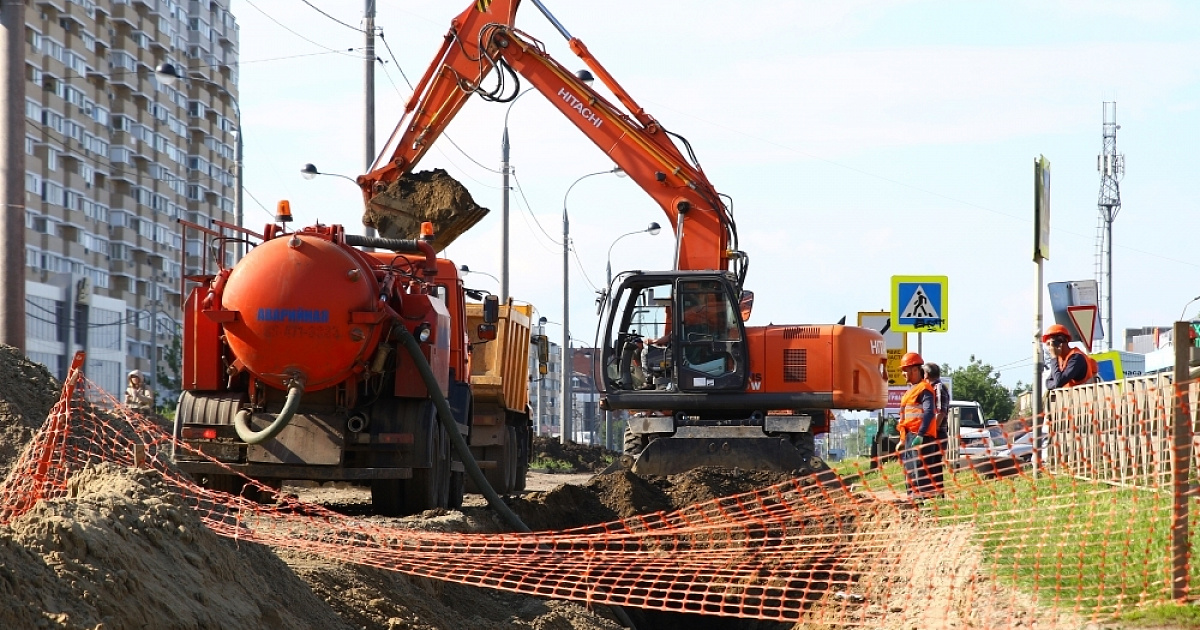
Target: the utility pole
(12, 176)
(369, 79)
(1111, 166)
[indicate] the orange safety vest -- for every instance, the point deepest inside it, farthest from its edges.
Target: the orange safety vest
(1088, 376)
(911, 413)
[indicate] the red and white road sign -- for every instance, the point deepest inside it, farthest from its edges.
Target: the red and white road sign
(1084, 318)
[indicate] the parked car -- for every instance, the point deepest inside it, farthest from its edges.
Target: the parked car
(982, 443)
(1022, 447)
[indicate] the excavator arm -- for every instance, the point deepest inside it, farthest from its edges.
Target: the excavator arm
(483, 38)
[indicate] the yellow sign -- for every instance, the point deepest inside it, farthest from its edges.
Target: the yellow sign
(895, 342)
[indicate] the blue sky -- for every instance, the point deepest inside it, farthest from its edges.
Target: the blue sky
(859, 140)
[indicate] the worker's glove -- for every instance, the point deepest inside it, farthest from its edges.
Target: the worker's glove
(916, 441)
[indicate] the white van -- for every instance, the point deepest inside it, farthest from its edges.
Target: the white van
(965, 421)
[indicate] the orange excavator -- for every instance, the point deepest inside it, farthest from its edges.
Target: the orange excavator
(701, 388)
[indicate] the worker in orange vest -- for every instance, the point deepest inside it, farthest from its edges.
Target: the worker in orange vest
(919, 431)
(1070, 366)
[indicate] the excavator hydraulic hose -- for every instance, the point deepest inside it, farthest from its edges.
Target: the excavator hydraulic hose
(241, 421)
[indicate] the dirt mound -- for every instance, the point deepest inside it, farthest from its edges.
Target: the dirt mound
(120, 551)
(27, 393)
(581, 457)
(621, 494)
(434, 196)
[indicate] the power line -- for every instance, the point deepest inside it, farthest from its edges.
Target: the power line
(284, 27)
(314, 8)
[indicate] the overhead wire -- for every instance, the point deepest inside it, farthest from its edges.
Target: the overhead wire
(286, 28)
(318, 10)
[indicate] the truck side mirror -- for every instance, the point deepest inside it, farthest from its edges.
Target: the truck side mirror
(543, 353)
(486, 332)
(491, 310)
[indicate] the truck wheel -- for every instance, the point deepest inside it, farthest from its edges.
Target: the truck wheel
(522, 458)
(458, 483)
(386, 496)
(429, 488)
(806, 444)
(634, 443)
(499, 477)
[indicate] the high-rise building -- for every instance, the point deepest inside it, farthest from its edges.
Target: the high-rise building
(114, 158)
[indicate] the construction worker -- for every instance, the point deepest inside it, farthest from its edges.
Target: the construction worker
(918, 430)
(1069, 366)
(941, 406)
(138, 397)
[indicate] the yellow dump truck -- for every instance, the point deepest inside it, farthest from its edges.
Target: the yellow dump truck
(502, 431)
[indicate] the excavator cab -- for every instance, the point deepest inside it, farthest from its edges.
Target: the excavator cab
(673, 332)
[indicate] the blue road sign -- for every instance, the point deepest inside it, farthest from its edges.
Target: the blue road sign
(920, 303)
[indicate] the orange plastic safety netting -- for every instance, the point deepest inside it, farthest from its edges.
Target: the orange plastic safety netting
(999, 547)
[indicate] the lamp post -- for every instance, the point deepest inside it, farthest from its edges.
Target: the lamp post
(310, 172)
(465, 269)
(1184, 311)
(653, 229)
(506, 171)
(566, 345)
(169, 74)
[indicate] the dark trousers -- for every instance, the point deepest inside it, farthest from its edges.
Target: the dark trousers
(923, 466)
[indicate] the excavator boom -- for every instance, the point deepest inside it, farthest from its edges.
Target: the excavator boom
(483, 38)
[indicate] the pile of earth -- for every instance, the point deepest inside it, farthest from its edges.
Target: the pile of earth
(120, 551)
(399, 210)
(621, 494)
(27, 393)
(580, 457)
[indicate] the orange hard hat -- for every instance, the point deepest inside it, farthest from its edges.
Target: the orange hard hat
(911, 359)
(1055, 330)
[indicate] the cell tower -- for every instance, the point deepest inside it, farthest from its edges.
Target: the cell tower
(1111, 166)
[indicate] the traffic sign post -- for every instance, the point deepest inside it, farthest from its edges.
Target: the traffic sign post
(894, 341)
(920, 303)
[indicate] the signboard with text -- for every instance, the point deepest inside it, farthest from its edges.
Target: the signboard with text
(894, 341)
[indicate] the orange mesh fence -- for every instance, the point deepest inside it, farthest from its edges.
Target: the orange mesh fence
(992, 546)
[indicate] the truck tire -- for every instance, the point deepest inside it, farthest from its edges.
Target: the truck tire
(523, 456)
(429, 488)
(458, 483)
(806, 444)
(633, 443)
(499, 477)
(387, 496)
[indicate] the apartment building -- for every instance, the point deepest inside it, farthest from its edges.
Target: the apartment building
(114, 158)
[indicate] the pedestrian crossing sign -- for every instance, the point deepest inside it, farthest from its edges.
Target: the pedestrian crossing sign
(920, 304)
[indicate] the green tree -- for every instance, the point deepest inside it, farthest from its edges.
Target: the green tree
(979, 382)
(170, 376)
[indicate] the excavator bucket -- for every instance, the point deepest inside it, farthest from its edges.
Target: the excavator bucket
(696, 447)
(414, 198)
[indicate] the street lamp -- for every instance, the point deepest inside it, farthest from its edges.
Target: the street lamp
(169, 74)
(310, 172)
(466, 270)
(506, 170)
(653, 229)
(566, 323)
(1184, 311)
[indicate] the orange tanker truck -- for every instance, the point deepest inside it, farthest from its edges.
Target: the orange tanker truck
(293, 366)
